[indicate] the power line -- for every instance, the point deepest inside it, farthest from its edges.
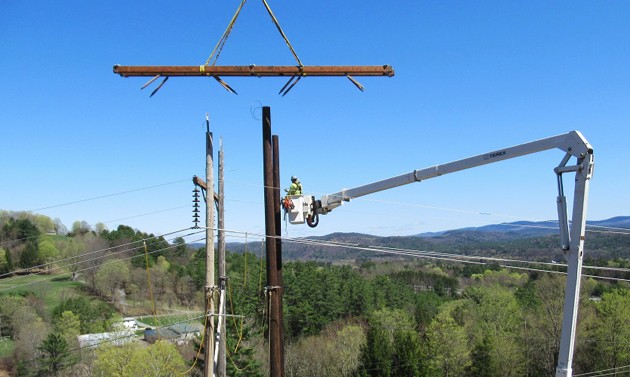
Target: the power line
(608, 371)
(613, 230)
(147, 214)
(106, 222)
(435, 255)
(93, 259)
(91, 252)
(109, 195)
(126, 336)
(93, 267)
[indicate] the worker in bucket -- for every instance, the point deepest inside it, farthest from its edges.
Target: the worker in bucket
(295, 188)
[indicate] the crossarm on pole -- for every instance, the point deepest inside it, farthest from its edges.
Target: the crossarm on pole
(254, 70)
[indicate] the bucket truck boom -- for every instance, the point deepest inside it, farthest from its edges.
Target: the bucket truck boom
(304, 208)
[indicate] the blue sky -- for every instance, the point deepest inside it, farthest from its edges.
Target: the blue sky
(471, 77)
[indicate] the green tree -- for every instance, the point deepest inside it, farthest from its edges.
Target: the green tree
(406, 358)
(5, 262)
(180, 246)
(114, 361)
(376, 355)
(196, 269)
(44, 223)
(161, 359)
(543, 325)
(47, 251)
(19, 232)
(99, 228)
(347, 349)
(80, 228)
(446, 349)
(9, 310)
(29, 331)
(495, 317)
(112, 276)
(56, 353)
(95, 316)
(68, 326)
(245, 272)
(427, 307)
(333, 352)
(612, 329)
(379, 352)
(481, 360)
(29, 257)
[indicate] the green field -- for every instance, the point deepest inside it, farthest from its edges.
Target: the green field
(50, 289)
(165, 320)
(6, 347)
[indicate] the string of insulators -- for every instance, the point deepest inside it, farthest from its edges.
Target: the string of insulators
(196, 207)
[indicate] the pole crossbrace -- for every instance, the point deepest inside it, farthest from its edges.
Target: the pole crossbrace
(254, 70)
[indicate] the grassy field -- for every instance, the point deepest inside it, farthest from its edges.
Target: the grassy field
(6, 347)
(165, 320)
(51, 289)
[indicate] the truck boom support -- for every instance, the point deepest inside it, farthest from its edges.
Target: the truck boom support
(305, 208)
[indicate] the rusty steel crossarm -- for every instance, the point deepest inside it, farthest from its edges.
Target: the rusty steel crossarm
(254, 70)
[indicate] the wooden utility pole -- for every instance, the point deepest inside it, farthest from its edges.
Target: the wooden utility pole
(278, 219)
(221, 363)
(210, 283)
(274, 288)
(218, 200)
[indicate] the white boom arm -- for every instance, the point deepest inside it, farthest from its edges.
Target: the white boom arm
(573, 143)
(305, 208)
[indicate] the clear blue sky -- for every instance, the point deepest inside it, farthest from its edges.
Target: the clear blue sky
(471, 77)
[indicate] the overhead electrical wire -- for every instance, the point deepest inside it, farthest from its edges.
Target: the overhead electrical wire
(93, 259)
(93, 252)
(441, 256)
(608, 371)
(589, 228)
(104, 222)
(89, 268)
(450, 257)
(605, 229)
(93, 267)
(109, 195)
(147, 214)
(126, 336)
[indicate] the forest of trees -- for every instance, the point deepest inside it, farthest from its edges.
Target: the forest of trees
(398, 317)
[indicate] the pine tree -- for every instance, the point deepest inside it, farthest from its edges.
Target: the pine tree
(406, 360)
(481, 360)
(56, 353)
(376, 355)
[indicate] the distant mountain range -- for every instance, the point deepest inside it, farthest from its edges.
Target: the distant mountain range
(525, 229)
(520, 239)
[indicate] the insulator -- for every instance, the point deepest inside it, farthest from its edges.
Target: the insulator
(196, 207)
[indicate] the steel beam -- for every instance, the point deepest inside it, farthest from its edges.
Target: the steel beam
(254, 70)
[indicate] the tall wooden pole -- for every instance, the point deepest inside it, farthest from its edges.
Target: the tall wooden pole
(210, 285)
(276, 346)
(278, 219)
(221, 367)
